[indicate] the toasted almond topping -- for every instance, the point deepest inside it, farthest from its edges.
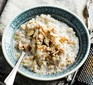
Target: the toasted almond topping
(46, 41)
(35, 33)
(30, 32)
(70, 42)
(46, 49)
(41, 37)
(63, 39)
(23, 26)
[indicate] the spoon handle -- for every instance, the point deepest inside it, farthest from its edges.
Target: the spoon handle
(10, 78)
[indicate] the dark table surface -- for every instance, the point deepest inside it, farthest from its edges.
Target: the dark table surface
(21, 80)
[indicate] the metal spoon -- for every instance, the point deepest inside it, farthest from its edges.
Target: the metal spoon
(10, 78)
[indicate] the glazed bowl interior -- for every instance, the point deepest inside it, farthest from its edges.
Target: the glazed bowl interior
(59, 14)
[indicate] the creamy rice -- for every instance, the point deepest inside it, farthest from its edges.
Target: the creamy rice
(50, 45)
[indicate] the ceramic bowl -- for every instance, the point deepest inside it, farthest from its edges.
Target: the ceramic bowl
(60, 14)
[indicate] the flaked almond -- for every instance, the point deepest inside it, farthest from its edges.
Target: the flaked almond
(46, 41)
(23, 26)
(38, 42)
(35, 33)
(42, 47)
(51, 29)
(55, 52)
(44, 28)
(30, 32)
(48, 49)
(53, 58)
(33, 50)
(63, 39)
(70, 42)
(61, 51)
(41, 37)
(41, 32)
(53, 35)
(28, 26)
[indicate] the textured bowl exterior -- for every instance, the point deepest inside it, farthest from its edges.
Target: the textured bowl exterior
(59, 14)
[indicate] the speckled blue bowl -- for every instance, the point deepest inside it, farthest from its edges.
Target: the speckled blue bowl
(60, 14)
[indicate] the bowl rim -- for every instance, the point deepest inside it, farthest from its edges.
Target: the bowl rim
(47, 79)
